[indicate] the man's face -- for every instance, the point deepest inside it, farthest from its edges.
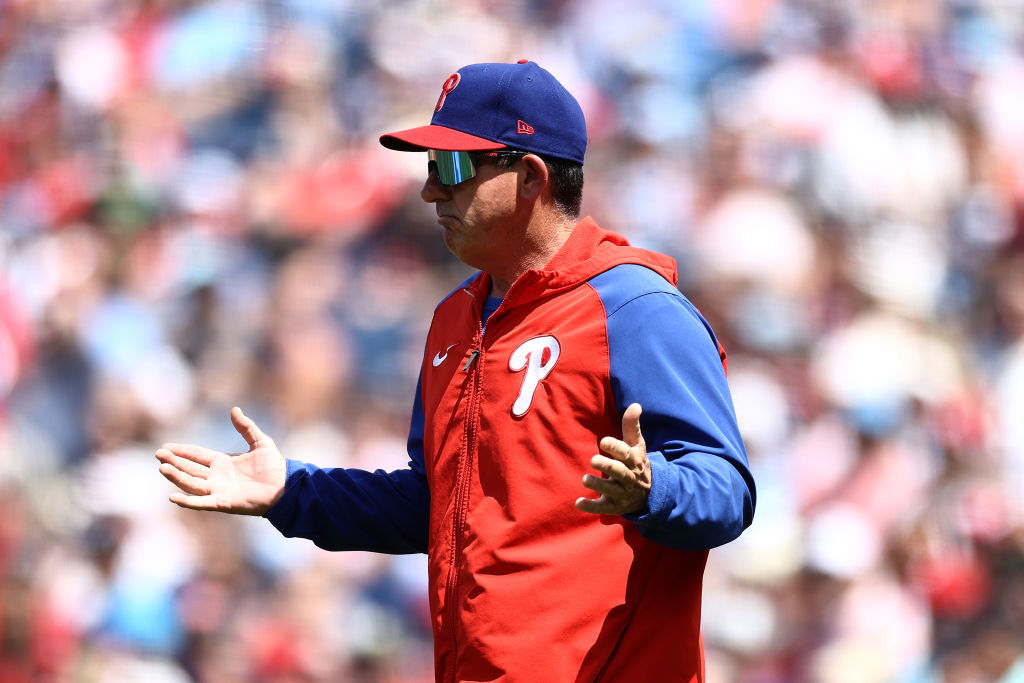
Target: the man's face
(477, 214)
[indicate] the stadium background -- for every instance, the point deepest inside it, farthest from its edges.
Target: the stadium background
(195, 212)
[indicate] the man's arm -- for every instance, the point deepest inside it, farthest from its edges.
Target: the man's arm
(664, 357)
(336, 508)
(350, 509)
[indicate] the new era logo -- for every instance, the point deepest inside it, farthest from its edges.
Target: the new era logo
(523, 128)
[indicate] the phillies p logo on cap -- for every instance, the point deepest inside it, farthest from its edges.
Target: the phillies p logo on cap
(448, 86)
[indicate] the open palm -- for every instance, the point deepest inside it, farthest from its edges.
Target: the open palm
(241, 483)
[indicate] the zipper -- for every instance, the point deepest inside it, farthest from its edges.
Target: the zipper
(469, 361)
(463, 477)
(462, 486)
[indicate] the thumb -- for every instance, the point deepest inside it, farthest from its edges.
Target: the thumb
(631, 425)
(244, 425)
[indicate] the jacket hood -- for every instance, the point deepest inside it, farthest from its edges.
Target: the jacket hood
(589, 251)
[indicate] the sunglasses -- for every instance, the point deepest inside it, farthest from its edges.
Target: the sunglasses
(454, 167)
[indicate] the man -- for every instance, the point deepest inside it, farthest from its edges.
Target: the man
(535, 374)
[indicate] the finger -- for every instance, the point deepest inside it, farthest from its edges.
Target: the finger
(612, 468)
(245, 426)
(596, 506)
(606, 487)
(617, 449)
(185, 482)
(631, 425)
(198, 454)
(193, 502)
(185, 465)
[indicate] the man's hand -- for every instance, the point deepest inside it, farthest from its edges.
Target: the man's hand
(627, 480)
(243, 483)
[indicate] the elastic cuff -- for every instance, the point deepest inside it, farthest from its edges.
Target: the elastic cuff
(276, 510)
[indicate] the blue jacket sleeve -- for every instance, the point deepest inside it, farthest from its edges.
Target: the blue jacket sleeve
(350, 509)
(664, 356)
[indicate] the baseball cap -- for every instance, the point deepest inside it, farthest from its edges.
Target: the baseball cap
(493, 106)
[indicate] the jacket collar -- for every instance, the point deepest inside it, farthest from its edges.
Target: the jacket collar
(590, 250)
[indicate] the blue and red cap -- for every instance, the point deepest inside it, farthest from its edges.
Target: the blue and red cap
(496, 106)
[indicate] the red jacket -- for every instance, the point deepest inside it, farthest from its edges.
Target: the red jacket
(522, 585)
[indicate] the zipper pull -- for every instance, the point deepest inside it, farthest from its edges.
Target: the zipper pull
(469, 361)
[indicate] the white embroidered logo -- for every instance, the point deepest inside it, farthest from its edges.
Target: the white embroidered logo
(537, 356)
(440, 357)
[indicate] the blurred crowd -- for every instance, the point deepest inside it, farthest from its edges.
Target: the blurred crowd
(195, 213)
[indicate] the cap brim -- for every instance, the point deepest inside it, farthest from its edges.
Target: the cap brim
(436, 137)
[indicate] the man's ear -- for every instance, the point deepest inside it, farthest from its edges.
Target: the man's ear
(534, 178)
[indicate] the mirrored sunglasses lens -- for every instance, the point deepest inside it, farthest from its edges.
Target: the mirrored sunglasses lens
(452, 167)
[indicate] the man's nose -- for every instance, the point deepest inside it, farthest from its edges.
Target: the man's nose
(433, 190)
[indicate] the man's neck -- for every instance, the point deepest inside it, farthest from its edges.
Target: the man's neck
(540, 246)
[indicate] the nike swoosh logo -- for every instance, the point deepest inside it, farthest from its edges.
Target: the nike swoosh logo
(439, 358)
